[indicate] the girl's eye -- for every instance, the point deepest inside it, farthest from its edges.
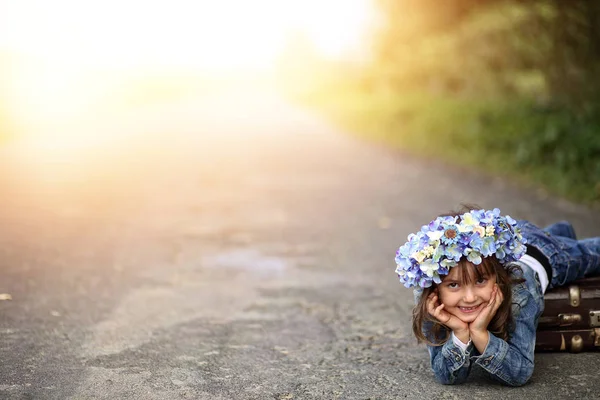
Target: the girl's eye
(453, 285)
(481, 281)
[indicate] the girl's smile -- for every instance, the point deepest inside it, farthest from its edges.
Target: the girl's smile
(468, 310)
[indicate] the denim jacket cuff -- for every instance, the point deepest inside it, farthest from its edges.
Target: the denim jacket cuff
(455, 355)
(492, 357)
(458, 343)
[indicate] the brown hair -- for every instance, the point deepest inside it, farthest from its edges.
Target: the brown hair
(429, 330)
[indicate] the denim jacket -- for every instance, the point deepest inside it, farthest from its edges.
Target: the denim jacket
(510, 362)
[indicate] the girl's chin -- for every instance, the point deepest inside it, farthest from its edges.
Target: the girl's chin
(468, 318)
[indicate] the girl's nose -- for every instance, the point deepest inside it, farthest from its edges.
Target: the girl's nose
(470, 295)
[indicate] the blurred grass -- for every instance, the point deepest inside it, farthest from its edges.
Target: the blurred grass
(548, 147)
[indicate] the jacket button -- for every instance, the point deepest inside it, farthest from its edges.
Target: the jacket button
(457, 358)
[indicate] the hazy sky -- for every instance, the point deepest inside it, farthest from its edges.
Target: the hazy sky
(176, 32)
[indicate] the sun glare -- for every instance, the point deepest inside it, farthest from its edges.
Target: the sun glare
(61, 56)
(202, 34)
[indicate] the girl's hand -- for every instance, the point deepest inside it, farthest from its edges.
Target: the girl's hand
(436, 310)
(480, 324)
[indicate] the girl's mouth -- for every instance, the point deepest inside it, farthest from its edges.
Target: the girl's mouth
(468, 310)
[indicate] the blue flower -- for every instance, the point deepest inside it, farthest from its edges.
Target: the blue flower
(510, 220)
(500, 253)
(454, 252)
(475, 241)
(451, 234)
(440, 245)
(488, 246)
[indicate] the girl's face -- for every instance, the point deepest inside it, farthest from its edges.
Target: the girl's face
(465, 300)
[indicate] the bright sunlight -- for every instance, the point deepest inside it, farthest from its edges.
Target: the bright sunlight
(63, 58)
(204, 34)
(82, 80)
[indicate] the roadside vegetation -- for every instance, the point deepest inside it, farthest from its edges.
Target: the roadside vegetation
(510, 87)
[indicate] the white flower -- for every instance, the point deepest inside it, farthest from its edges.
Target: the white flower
(418, 255)
(400, 271)
(429, 267)
(428, 251)
(479, 229)
(448, 263)
(489, 230)
(464, 227)
(435, 235)
(467, 223)
(468, 219)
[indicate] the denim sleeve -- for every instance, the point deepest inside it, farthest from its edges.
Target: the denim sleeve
(511, 362)
(450, 364)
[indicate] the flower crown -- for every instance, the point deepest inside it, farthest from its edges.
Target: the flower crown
(441, 244)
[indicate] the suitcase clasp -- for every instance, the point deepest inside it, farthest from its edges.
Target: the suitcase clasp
(574, 295)
(594, 318)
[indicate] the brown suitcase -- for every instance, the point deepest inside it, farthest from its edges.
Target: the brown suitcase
(571, 318)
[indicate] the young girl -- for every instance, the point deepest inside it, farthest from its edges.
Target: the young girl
(479, 280)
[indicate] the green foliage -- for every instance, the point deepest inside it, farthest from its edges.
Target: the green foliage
(553, 146)
(485, 48)
(550, 147)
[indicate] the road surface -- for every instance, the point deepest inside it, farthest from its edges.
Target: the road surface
(236, 248)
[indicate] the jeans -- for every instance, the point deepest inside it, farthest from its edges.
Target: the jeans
(569, 258)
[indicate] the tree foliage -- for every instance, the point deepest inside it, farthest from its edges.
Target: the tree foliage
(546, 48)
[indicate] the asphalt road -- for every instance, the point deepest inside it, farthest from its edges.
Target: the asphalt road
(236, 248)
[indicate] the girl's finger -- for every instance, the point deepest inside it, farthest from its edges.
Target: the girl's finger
(499, 300)
(492, 300)
(486, 313)
(499, 295)
(495, 303)
(431, 306)
(440, 315)
(496, 296)
(435, 299)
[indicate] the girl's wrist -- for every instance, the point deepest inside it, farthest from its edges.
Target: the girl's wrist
(480, 339)
(477, 332)
(462, 335)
